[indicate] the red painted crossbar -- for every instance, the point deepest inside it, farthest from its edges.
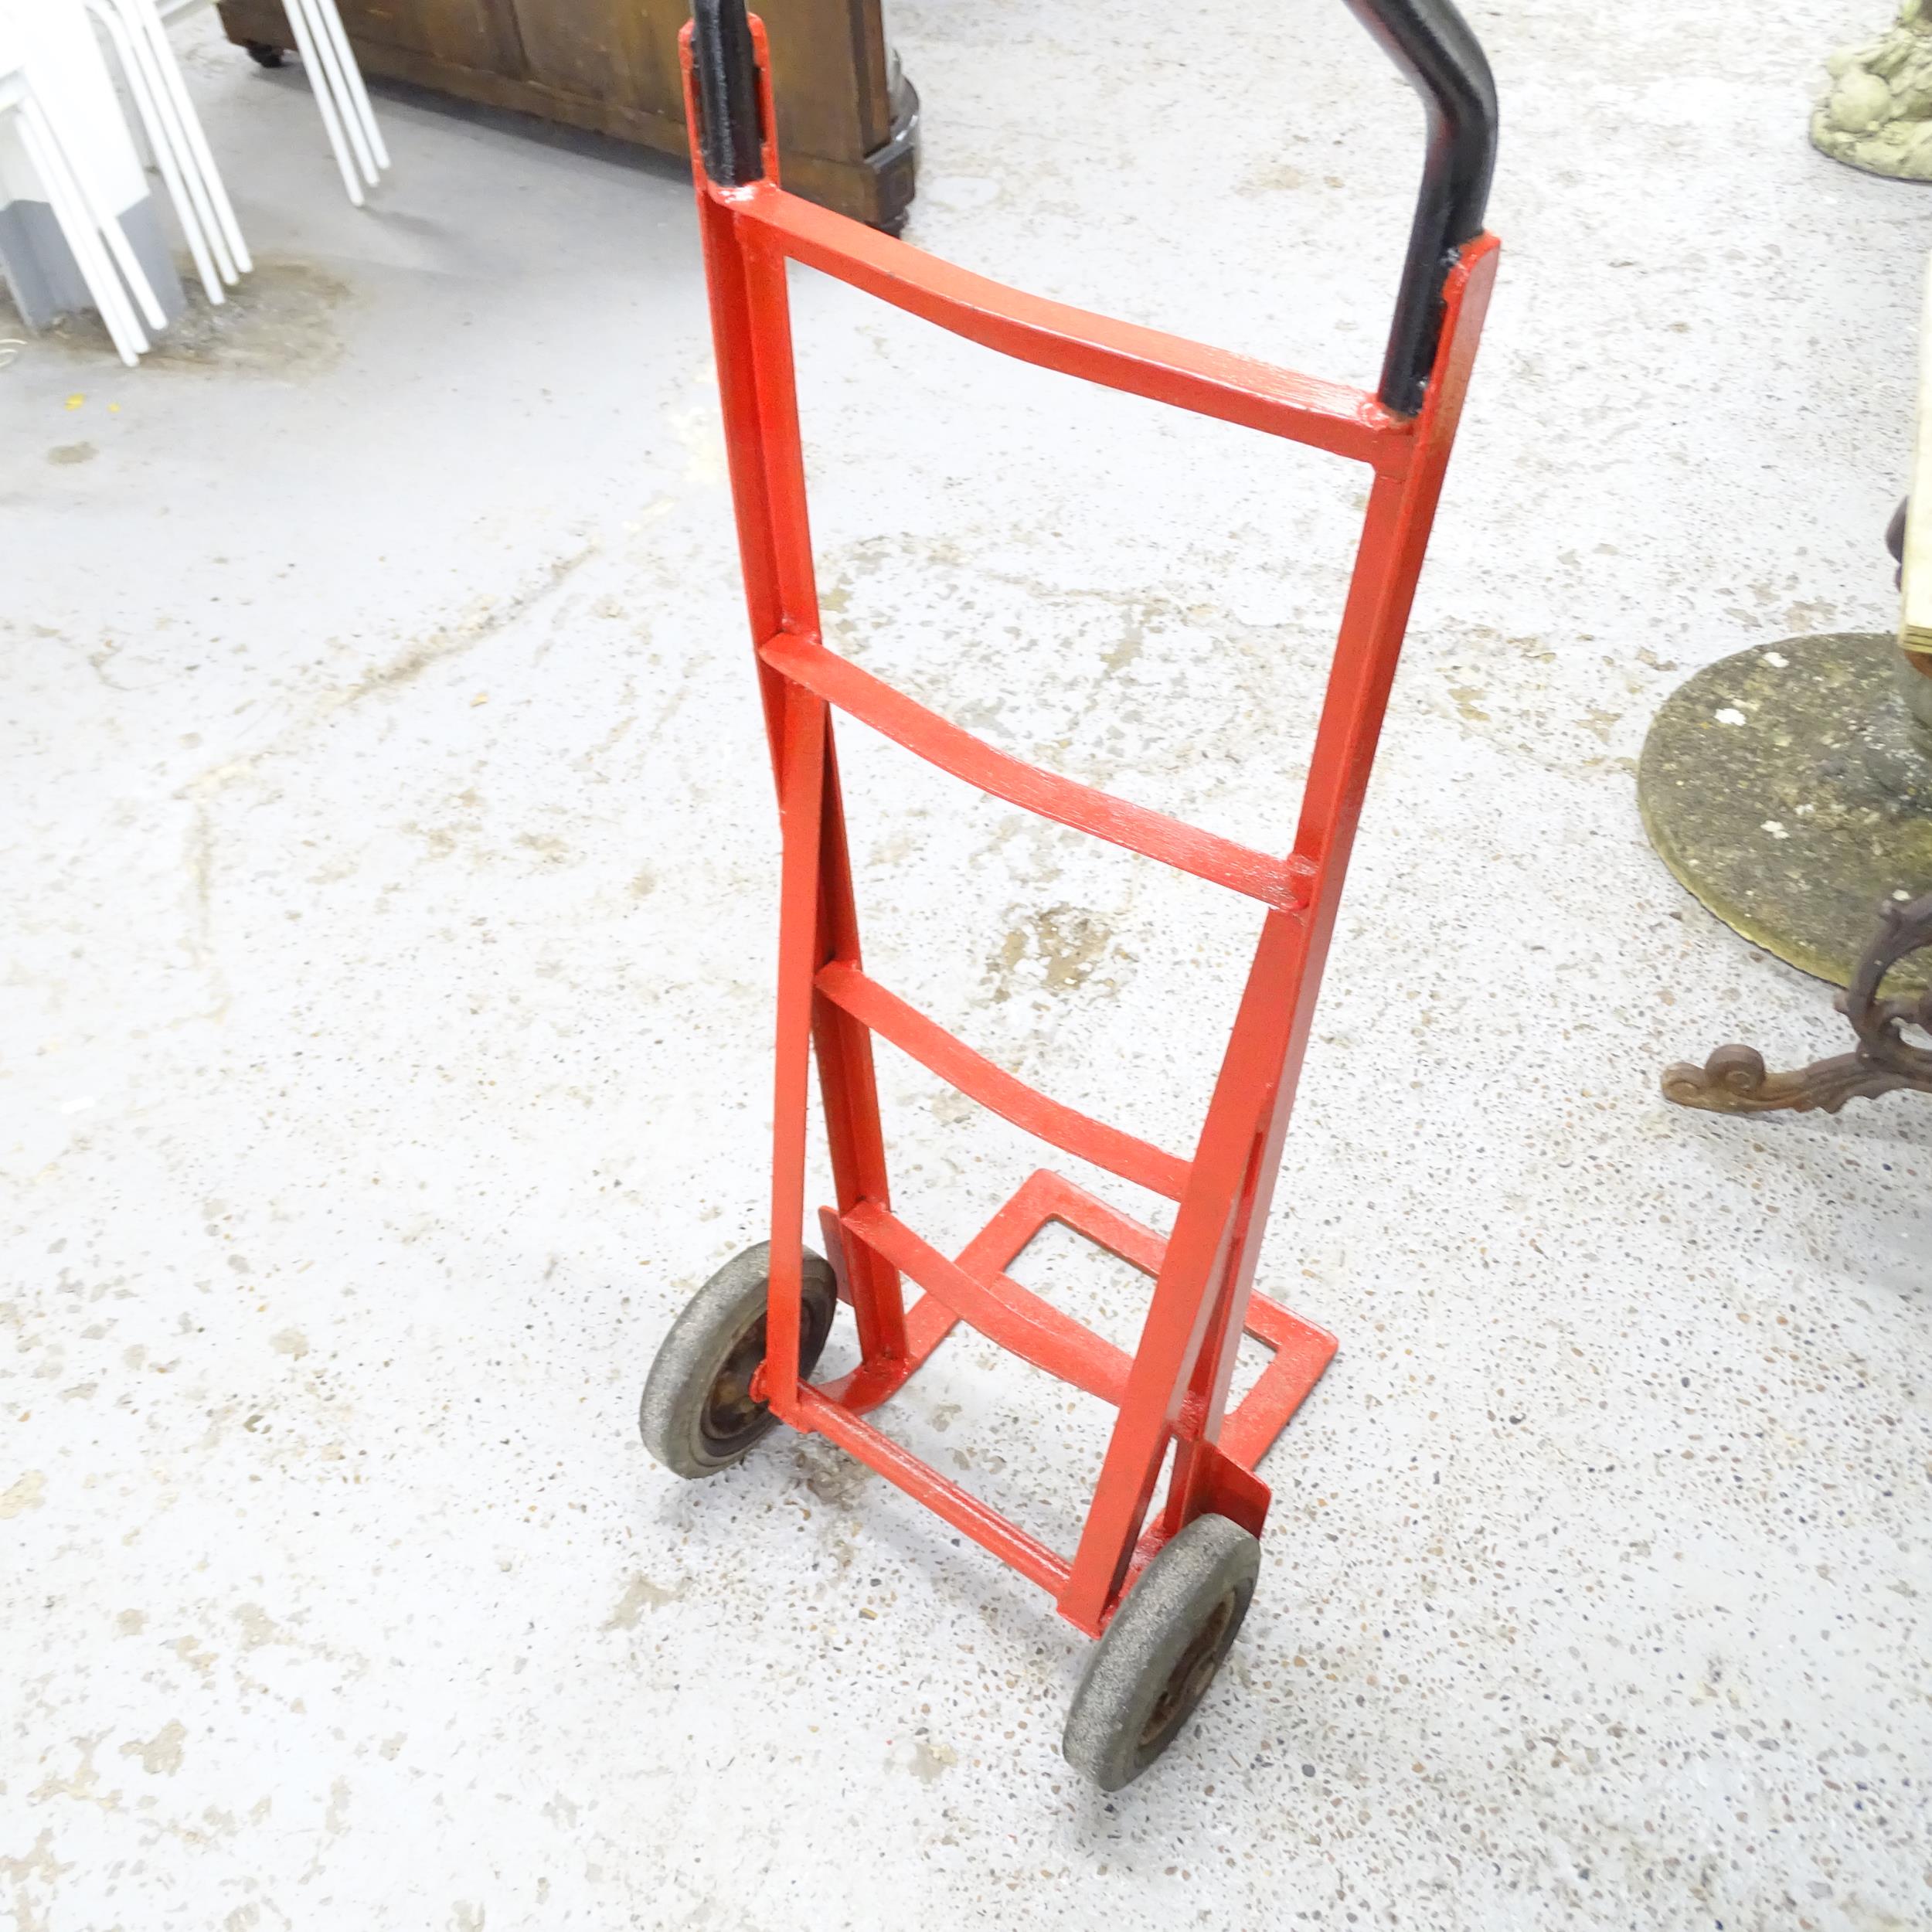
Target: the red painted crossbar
(936, 1050)
(1018, 1320)
(1275, 882)
(1097, 349)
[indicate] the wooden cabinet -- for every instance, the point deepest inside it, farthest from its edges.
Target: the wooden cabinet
(848, 119)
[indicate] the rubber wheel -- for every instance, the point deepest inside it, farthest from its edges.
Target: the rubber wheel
(698, 1415)
(263, 55)
(1157, 1657)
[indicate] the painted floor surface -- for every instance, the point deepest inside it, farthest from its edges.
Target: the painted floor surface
(390, 884)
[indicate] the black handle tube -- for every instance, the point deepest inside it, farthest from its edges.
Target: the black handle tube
(727, 73)
(1442, 59)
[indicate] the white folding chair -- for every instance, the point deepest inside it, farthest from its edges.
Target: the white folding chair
(175, 138)
(341, 98)
(93, 233)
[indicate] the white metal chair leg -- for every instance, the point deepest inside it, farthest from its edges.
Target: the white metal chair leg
(137, 68)
(103, 219)
(338, 90)
(141, 132)
(67, 199)
(197, 164)
(178, 121)
(330, 17)
(298, 24)
(107, 224)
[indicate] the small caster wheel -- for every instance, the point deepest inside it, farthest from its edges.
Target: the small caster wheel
(698, 1415)
(263, 55)
(1155, 1661)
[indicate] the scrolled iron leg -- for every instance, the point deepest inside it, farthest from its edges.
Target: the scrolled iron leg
(1735, 1080)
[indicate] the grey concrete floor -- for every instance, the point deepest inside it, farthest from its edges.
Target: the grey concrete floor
(389, 886)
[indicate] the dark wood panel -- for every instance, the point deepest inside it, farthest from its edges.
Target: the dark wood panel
(592, 50)
(846, 135)
(828, 75)
(466, 33)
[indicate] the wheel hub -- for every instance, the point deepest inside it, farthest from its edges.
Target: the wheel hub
(1188, 1681)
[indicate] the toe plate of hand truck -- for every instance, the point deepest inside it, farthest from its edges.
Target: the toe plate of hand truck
(976, 1288)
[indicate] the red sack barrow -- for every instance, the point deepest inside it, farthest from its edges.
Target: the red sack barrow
(1166, 1595)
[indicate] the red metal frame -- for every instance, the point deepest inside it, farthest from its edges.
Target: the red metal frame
(1174, 1388)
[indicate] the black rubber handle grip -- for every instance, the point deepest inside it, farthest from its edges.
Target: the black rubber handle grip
(727, 73)
(1442, 59)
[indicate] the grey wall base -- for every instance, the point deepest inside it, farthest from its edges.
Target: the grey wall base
(44, 279)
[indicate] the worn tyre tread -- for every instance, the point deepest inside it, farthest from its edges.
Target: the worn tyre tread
(688, 1360)
(1178, 1592)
